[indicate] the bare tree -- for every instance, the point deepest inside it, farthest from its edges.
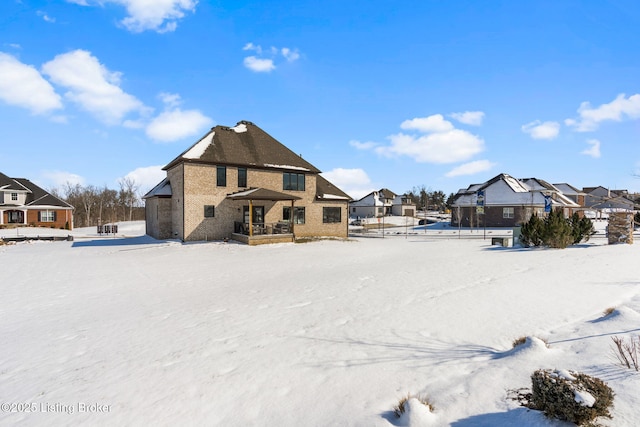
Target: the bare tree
(128, 194)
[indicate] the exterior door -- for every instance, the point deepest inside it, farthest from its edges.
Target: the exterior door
(258, 214)
(16, 217)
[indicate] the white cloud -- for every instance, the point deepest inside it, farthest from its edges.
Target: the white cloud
(259, 65)
(177, 124)
(92, 86)
(46, 17)
(354, 182)
(23, 86)
(540, 130)
(471, 168)
(157, 15)
(251, 46)
(58, 179)
(265, 61)
(593, 150)
(147, 177)
(434, 123)
(363, 145)
(617, 110)
(170, 100)
(441, 142)
(473, 118)
(290, 55)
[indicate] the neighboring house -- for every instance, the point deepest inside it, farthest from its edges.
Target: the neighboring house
(24, 203)
(381, 203)
(602, 200)
(507, 202)
(576, 195)
(240, 183)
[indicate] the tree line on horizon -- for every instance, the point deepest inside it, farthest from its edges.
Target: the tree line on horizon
(102, 205)
(427, 199)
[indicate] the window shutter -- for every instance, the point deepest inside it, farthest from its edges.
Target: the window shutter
(55, 216)
(39, 216)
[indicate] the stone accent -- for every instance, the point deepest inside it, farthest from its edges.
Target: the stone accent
(620, 228)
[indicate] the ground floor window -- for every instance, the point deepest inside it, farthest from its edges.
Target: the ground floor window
(331, 215)
(15, 217)
(209, 211)
(298, 214)
(507, 212)
(47, 216)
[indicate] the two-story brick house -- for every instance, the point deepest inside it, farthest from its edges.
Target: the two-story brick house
(24, 203)
(240, 183)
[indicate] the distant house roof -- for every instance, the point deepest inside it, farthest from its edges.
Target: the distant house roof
(40, 197)
(243, 145)
(530, 191)
(7, 183)
(387, 194)
(36, 196)
(568, 189)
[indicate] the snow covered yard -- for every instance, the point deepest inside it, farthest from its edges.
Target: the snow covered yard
(133, 331)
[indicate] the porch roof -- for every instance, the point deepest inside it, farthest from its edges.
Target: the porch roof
(261, 194)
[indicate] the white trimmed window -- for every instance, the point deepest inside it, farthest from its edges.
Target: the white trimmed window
(47, 216)
(507, 212)
(14, 196)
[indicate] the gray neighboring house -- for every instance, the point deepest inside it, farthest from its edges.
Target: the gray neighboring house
(601, 200)
(380, 203)
(507, 202)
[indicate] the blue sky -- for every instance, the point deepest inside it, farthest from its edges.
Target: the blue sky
(375, 93)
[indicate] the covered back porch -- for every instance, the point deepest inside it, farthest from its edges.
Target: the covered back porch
(253, 230)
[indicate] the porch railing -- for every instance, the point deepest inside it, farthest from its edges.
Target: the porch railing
(260, 228)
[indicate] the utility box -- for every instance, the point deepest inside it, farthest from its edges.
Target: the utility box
(502, 241)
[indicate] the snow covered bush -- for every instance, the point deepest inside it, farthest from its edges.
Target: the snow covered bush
(570, 396)
(401, 407)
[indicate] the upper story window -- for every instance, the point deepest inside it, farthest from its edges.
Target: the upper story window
(242, 177)
(293, 181)
(14, 196)
(507, 212)
(221, 176)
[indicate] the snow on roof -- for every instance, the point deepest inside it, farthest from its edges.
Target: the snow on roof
(162, 189)
(269, 165)
(239, 128)
(515, 185)
(333, 197)
(199, 148)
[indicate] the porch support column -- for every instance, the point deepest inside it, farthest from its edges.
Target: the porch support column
(291, 216)
(24, 217)
(1, 216)
(250, 218)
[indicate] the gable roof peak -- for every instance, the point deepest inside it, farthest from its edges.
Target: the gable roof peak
(243, 145)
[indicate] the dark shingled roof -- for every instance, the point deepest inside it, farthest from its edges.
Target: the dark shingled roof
(7, 183)
(40, 197)
(328, 191)
(235, 146)
(261, 194)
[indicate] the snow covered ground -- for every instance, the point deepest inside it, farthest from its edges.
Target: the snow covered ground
(134, 331)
